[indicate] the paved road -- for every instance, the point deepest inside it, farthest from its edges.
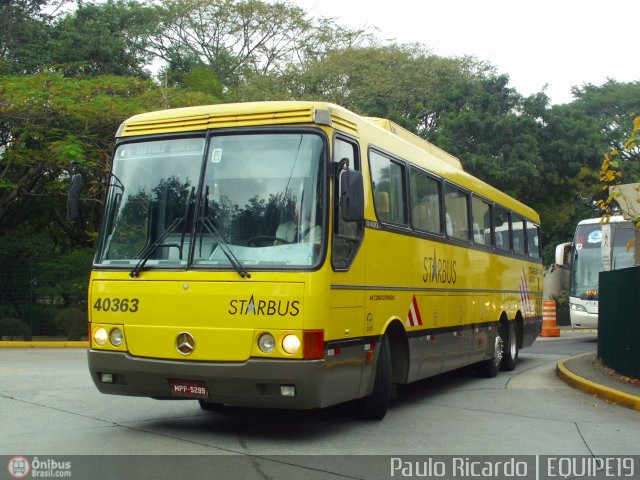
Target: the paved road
(569, 343)
(49, 406)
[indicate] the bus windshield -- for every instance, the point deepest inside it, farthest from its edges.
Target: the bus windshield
(246, 201)
(588, 261)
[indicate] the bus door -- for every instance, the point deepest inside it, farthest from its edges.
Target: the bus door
(345, 331)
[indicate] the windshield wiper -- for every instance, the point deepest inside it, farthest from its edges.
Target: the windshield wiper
(146, 255)
(237, 265)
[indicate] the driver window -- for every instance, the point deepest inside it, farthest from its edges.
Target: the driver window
(347, 235)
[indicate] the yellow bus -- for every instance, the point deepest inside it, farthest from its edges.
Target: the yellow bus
(298, 255)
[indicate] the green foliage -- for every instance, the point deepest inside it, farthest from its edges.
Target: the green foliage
(42, 319)
(29, 241)
(231, 37)
(562, 302)
(242, 39)
(14, 329)
(610, 106)
(65, 276)
(24, 29)
(34, 288)
(72, 322)
(496, 137)
(195, 77)
(461, 104)
(48, 121)
(611, 175)
(106, 38)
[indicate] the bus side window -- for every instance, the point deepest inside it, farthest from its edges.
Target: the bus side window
(517, 225)
(533, 240)
(502, 228)
(425, 202)
(387, 177)
(457, 212)
(481, 212)
(347, 235)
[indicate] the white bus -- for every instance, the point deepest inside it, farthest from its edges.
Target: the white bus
(596, 247)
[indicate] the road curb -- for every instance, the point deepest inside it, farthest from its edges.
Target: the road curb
(68, 344)
(601, 391)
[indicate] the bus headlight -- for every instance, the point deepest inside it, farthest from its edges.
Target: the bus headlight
(100, 336)
(578, 308)
(266, 342)
(116, 337)
(290, 344)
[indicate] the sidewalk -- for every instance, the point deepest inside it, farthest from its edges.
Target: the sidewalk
(590, 376)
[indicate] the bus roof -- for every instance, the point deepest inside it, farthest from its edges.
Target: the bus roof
(612, 219)
(416, 140)
(397, 140)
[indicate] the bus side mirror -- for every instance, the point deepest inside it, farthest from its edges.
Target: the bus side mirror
(73, 198)
(563, 254)
(351, 195)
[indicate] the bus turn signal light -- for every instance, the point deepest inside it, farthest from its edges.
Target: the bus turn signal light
(313, 344)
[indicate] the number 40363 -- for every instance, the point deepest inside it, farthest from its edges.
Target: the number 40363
(107, 304)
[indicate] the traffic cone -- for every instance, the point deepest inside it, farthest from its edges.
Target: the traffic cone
(549, 328)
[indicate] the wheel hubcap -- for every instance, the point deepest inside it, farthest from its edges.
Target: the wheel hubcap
(497, 353)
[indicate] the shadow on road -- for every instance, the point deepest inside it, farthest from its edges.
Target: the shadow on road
(305, 425)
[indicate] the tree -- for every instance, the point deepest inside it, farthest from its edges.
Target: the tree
(610, 105)
(611, 177)
(47, 121)
(109, 38)
(460, 104)
(574, 139)
(495, 133)
(24, 29)
(94, 38)
(238, 39)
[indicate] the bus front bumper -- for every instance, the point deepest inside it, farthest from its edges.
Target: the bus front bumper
(254, 383)
(583, 319)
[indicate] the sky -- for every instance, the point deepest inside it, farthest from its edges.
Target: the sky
(557, 43)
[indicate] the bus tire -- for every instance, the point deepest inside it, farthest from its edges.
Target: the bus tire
(510, 355)
(489, 368)
(210, 406)
(374, 406)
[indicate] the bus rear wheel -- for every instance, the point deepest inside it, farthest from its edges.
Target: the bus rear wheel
(374, 406)
(510, 356)
(210, 406)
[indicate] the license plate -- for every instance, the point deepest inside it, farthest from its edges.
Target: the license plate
(188, 388)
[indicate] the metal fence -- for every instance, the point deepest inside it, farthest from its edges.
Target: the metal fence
(38, 295)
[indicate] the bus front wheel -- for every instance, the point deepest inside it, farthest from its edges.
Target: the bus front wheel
(374, 406)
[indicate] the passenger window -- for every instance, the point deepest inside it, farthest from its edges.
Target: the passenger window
(481, 211)
(425, 202)
(501, 227)
(456, 212)
(533, 240)
(517, 227)
(388, 189)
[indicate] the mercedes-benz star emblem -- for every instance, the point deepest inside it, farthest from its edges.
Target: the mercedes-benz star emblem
(185, 343)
